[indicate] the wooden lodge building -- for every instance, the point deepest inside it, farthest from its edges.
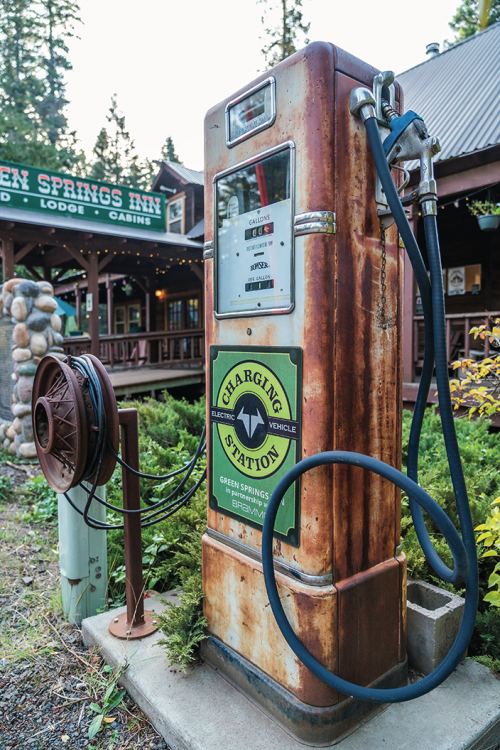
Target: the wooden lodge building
(458, 95)
(138, 285)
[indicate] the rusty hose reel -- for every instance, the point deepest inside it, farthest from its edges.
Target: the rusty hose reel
(75, 425)
(65, 425)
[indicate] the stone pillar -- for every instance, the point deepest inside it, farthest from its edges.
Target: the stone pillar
(36, 333)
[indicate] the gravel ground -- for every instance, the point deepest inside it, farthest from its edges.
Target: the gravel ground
(47, 678)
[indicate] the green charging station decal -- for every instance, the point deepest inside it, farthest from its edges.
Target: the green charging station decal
(255, 409)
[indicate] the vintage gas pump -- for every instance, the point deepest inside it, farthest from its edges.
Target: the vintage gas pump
(303, 340)
(303, 326)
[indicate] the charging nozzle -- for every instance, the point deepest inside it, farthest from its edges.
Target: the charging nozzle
(409, 139)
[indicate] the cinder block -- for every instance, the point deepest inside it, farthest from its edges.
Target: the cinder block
(434, 617)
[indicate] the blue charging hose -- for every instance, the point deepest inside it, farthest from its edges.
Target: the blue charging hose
(463, 549)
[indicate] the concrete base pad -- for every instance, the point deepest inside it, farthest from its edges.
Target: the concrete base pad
(201, 711)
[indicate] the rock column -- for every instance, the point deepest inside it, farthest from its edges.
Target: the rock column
(37, 332)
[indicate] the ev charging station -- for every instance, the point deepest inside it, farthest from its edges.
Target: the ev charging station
(304, 577)
(303, 329)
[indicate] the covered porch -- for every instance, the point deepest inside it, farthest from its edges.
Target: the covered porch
(138, 294)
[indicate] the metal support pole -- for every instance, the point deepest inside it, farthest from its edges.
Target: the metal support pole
(135, 622)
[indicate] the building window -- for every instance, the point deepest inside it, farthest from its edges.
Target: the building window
(128, 318)
(120, 324)
(175, 215)
(192, 313)
(175, 315)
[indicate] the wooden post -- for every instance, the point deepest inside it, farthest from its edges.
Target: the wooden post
(135, 623)
(78, 303)
(93, 289)
(8, 259)
(109, 297)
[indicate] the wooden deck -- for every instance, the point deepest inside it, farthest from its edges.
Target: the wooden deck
(134, 380)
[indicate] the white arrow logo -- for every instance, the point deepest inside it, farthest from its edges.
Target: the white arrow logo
(251, 421)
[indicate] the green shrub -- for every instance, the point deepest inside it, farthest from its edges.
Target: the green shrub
(5, 488)
(44, 501)
(480, 452)
(169, 433)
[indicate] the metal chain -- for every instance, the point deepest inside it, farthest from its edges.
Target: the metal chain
(383, 277)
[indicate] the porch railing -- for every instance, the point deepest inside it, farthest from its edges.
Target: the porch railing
(459, 344)
(163, 348)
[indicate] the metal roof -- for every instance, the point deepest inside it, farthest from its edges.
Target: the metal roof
(80, 225)
(458, 94)
(197, 231)
(189, 175)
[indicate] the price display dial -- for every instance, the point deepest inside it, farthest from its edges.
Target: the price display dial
(254, 240)
(251, 112)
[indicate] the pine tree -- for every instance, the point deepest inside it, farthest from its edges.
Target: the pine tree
(116, 158)
(283, 37)
(59, 17)
(168, 151)
(33, 129)
(465, 22)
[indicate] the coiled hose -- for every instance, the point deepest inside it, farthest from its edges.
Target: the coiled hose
(463, 550)
(155, 512)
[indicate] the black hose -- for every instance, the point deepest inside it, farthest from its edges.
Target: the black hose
(464, 554)
(455, 577)
(156, 511)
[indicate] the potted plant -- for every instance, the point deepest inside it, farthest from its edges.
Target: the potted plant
(487, 213)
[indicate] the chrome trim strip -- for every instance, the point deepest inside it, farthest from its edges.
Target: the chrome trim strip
(325, 580)
(328, 216)
(258, 157)
(316, 227)
(271, 81)
(208, 250)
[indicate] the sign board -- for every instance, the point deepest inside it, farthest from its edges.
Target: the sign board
(47, 192)
(456, 281)
(255, 429)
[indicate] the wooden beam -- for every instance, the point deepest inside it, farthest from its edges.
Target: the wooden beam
(78, 256)
(55, 257)
(69, 286)
(198, 272)
(24, 251)
(7, 259)
(104, 262)
(34, 273)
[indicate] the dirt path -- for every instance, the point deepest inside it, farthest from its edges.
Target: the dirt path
(48, 680)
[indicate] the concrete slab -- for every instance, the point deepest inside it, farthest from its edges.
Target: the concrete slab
(201, 711)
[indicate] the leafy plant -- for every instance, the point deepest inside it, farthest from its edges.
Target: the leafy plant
(44, 507)
(490, 538)
(5, 488)
(479, 389)
(484, 208)
(112, 698)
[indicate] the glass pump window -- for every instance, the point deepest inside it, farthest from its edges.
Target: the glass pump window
(254, 248)
(251, 112)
